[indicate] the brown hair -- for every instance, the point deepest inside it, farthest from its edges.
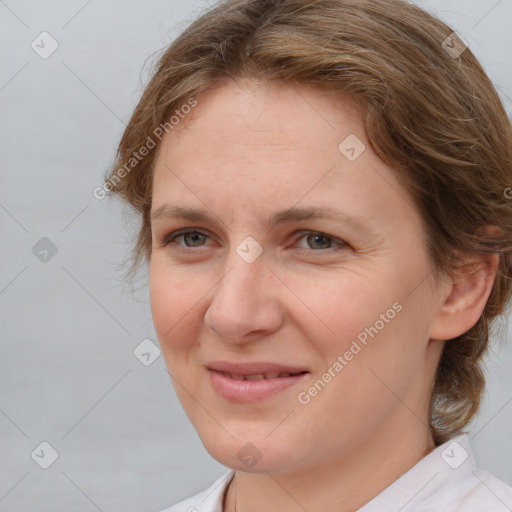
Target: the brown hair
(432, 115)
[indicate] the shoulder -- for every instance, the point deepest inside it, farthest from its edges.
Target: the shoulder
(480, 491)
(209, 500)
(462, 486)
(447, 479)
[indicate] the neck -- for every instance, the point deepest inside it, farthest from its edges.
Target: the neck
(343, 483)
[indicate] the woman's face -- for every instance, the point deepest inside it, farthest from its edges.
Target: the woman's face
(304, 252)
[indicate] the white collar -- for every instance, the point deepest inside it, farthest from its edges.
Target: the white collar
(447, 479)
(449, 462)
(211, 499)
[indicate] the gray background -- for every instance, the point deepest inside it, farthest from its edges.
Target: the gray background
(68, 374)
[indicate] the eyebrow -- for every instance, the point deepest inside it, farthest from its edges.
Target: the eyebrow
(168, 211)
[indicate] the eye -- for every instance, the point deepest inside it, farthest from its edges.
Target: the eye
(320, 241)
(191, 238)
(315, 240)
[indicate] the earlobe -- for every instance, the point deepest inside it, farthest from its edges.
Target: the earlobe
(462, 302)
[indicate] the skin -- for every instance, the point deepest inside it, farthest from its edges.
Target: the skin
(247, 150)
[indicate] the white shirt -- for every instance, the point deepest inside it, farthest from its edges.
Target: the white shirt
(446, 480)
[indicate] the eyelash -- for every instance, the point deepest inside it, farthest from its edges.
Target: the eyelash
(336, 243)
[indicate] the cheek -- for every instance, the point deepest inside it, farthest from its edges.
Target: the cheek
(375, 331)
(175, 303)
(337, 311)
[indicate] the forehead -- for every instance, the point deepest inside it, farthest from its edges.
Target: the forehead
(259, 111)
(273, 144)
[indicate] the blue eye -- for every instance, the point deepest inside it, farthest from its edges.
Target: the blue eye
(324, 241)
(316, 240)
(194, 237)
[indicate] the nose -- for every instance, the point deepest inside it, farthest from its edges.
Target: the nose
(245, 304)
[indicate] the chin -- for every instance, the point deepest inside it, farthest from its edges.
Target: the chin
(252, 457)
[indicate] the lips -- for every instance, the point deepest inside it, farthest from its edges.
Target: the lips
(261, 376)
(256, 370)
(248, 382)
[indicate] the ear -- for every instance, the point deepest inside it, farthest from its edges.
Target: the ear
(463, 299)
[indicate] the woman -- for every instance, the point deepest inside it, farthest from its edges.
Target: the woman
(337, 376)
